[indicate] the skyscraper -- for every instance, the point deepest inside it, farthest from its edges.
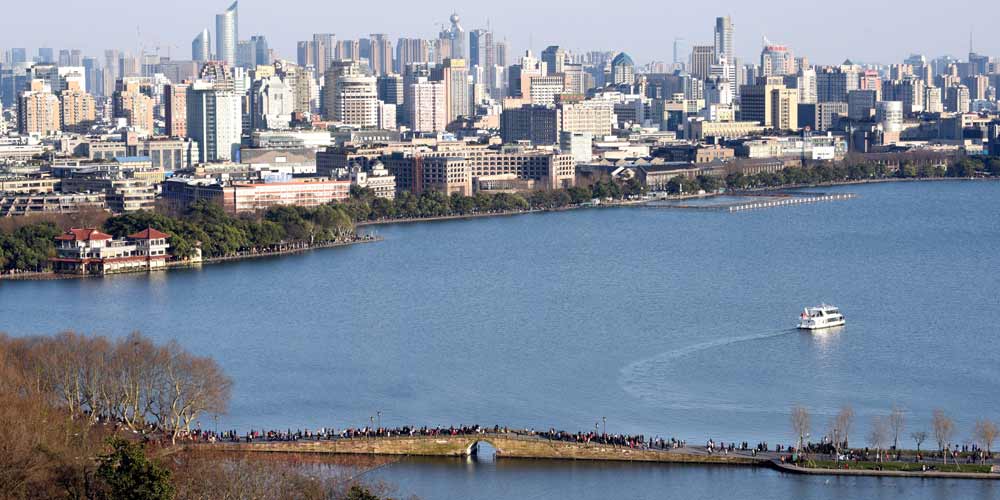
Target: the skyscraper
(451, 41)
(481, 49)
(776, 60)
(227, 34)
(409, 51)
(724, 39)
(554, 58)
(214, 121)
(201, 46)
(702, 58)
(380, 54)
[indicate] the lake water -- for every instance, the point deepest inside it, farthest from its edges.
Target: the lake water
(667, 322)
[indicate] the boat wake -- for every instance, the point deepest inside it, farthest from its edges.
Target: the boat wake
(648, 379)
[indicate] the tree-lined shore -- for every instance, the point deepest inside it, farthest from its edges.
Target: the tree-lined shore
(26, 243)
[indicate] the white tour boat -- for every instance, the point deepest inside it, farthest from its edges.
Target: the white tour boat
(820, 317)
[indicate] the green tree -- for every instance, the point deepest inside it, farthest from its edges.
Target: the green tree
(128, 474)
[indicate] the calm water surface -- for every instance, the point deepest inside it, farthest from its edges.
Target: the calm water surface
(667, 322)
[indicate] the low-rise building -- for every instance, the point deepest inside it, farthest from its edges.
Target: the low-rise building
(50, 203)
(254, 196)
(377, 178)
(89, 251)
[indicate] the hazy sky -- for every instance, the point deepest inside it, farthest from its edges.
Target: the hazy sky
(826, 32)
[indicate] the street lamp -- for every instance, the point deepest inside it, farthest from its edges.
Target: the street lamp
(372, 425)
(605, 420)
(379, 413)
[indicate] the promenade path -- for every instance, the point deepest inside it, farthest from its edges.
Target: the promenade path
(507, 445)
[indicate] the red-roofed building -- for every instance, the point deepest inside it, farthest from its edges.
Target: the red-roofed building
(89, 251)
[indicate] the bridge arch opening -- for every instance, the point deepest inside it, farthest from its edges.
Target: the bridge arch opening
(482, 451)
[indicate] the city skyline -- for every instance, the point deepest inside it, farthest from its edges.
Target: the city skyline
(863, 38)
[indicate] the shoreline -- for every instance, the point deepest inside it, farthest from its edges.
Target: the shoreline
(527, 450)
(50, 276)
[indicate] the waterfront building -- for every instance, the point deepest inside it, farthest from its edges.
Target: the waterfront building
(227, 34)
(89, 251)
(249, 197)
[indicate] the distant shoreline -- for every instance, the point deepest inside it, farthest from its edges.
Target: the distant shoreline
(370, 238)
(51, 276)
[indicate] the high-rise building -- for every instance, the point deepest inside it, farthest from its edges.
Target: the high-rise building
(18, 55)
(933, 101)
(323, 47)
(702, 58)
(46, 55)
(214, 121)
(456, 40)
(227, 34)
(132, 104)
(482, 52)
(304, 53)
(347, 50)
(861, 104)
(201, 46)
(909, 91)
(77, 109)
(425, 105)
(555, 59)
(622, 70)
(455, 75)
(957, 99)
(834, 83)
(724, 33)
(350, 96)
(770, 103)
(175, 108)
(38, 110)
(380, 54)
(410, 51)
(272, 102)
(776, 60)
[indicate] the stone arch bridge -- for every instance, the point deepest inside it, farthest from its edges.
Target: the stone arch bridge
(506, 445)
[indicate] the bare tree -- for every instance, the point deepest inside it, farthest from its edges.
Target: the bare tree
(897, 421)
(800, 424)
(944, 428)
(878, 434)
(845, 420)
(919, 437)
(190, 387)
(986, 433)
